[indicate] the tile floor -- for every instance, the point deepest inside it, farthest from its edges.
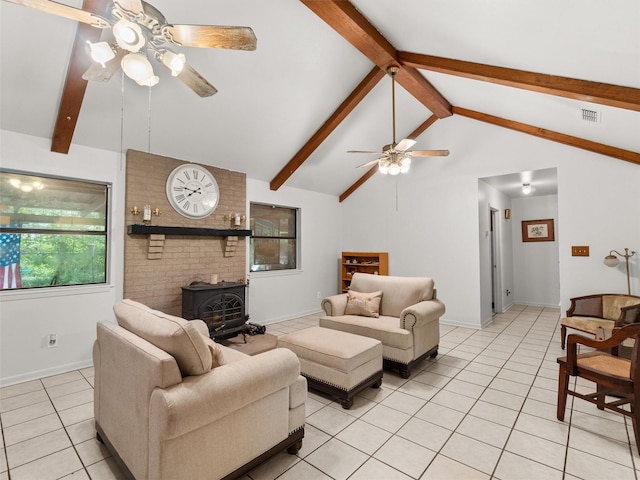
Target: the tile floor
(484, 408)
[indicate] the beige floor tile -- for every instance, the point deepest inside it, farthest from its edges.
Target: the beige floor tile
(274, 467)
(34, 448)
(68, 377)
(76, 414)
(453, 400)
(408, 457)
(599, 425)
(514, 467)
(467, 389)
(550, 430)
(589, 467)
(20, 389)
(433, 379)
(24, 414)
(22, 400)
(509, 386)
(73, 399)
(337, 459)
(376, 470)
(440, 415)
(518, 372)
(472, 453)
(477, 367)
(537, 449)
(92, 451)
(600, 446)
(52, 466)
(105, 470)
(475, 378)
(313, 438)
(81, 431)
(403, 402)
(330, 420)
(376, 394)
(425, 434)
(504, 399)
(33, 428)
(303, 470)
(364, 436)
(494, 413)
(484, 431)
(444, 468)
(361, 405)
(386, 418)
(68, 388)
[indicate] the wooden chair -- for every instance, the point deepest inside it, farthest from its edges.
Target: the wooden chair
(611, 374)
(607, 310)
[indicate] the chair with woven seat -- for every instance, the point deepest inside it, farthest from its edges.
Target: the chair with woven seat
(612, 375)
(607, 310)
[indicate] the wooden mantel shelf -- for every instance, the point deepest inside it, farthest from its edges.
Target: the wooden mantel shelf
(188, 231)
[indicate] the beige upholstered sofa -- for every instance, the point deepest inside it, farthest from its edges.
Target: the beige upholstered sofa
(406, 319)
(170, 403)
(603, 310)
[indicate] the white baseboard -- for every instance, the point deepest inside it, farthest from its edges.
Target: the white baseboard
(47, 372)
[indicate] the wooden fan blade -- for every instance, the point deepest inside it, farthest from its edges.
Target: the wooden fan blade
(133, 6)
(404, 144)
(64, 11)
(196, 82)
(363, 151)
(428, 153)
(212, 36)
(98, 73)
(370, 163)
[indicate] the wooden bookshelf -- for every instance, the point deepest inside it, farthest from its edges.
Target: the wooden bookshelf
(376, 263)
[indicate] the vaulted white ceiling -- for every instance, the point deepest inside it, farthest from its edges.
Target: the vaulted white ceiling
(271, 101)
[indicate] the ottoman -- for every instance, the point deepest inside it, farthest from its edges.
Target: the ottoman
(338, 363)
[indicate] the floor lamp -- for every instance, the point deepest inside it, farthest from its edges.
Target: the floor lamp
(612, 261)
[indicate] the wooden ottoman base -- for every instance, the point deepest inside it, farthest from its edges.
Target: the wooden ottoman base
(338, 363)
(345, 396)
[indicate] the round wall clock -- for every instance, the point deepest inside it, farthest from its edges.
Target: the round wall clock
(192, 191)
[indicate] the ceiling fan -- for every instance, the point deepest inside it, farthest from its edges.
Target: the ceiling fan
(396, 157)
(135, 30)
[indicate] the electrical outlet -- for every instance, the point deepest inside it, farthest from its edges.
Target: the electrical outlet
(318, 295)
(52, 340)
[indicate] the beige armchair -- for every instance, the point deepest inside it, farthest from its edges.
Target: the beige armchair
(604, 310)
(403, 314)
(170, 403)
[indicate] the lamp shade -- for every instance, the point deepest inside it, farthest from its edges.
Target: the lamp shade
(128, 35)
(611, 261)
(101, 52)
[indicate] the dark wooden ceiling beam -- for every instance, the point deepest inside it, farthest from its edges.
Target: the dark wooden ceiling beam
(345, 19)
(75, 86)
(594, 92)
(602, 149)
(345, 108)
(371, 172)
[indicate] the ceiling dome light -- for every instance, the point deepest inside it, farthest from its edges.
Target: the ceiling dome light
(526, 188)
(138, 68)
(101, 52)
(394, 169)
(128, 35)
(383, 166)
(405, 164)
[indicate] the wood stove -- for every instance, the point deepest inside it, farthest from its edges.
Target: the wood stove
(221, 306)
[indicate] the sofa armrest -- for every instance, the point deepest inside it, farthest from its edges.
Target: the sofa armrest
(187, 406)
(421, 313)
(586, 306)
(335, 305)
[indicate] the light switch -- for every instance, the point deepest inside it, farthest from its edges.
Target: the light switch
(580, 251)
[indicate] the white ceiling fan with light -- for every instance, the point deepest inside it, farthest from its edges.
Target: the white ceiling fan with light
(135, 30)
(396, 157)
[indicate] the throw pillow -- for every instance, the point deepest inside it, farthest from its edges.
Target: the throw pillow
(367, 304)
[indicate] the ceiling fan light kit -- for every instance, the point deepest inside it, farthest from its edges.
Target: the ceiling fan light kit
(136, 31)
(396, 157)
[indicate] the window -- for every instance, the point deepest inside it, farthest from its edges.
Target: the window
(274, 239)
(53, 231)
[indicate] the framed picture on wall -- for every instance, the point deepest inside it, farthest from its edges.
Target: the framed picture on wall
(538, 230)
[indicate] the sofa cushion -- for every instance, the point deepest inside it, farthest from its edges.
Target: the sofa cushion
(397, 292)
(176, 336)
(367, 304)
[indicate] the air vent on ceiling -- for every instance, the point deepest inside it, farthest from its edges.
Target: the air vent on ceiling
(590, 116)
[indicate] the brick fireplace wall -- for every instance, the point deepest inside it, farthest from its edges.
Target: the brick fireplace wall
(184, 259)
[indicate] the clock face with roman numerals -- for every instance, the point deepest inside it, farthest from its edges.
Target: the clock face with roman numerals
(192, 191)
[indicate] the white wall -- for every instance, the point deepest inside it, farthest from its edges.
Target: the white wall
(435, 230)
(536, 264)
(29, 316)
(490, 198)
(275, 296)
